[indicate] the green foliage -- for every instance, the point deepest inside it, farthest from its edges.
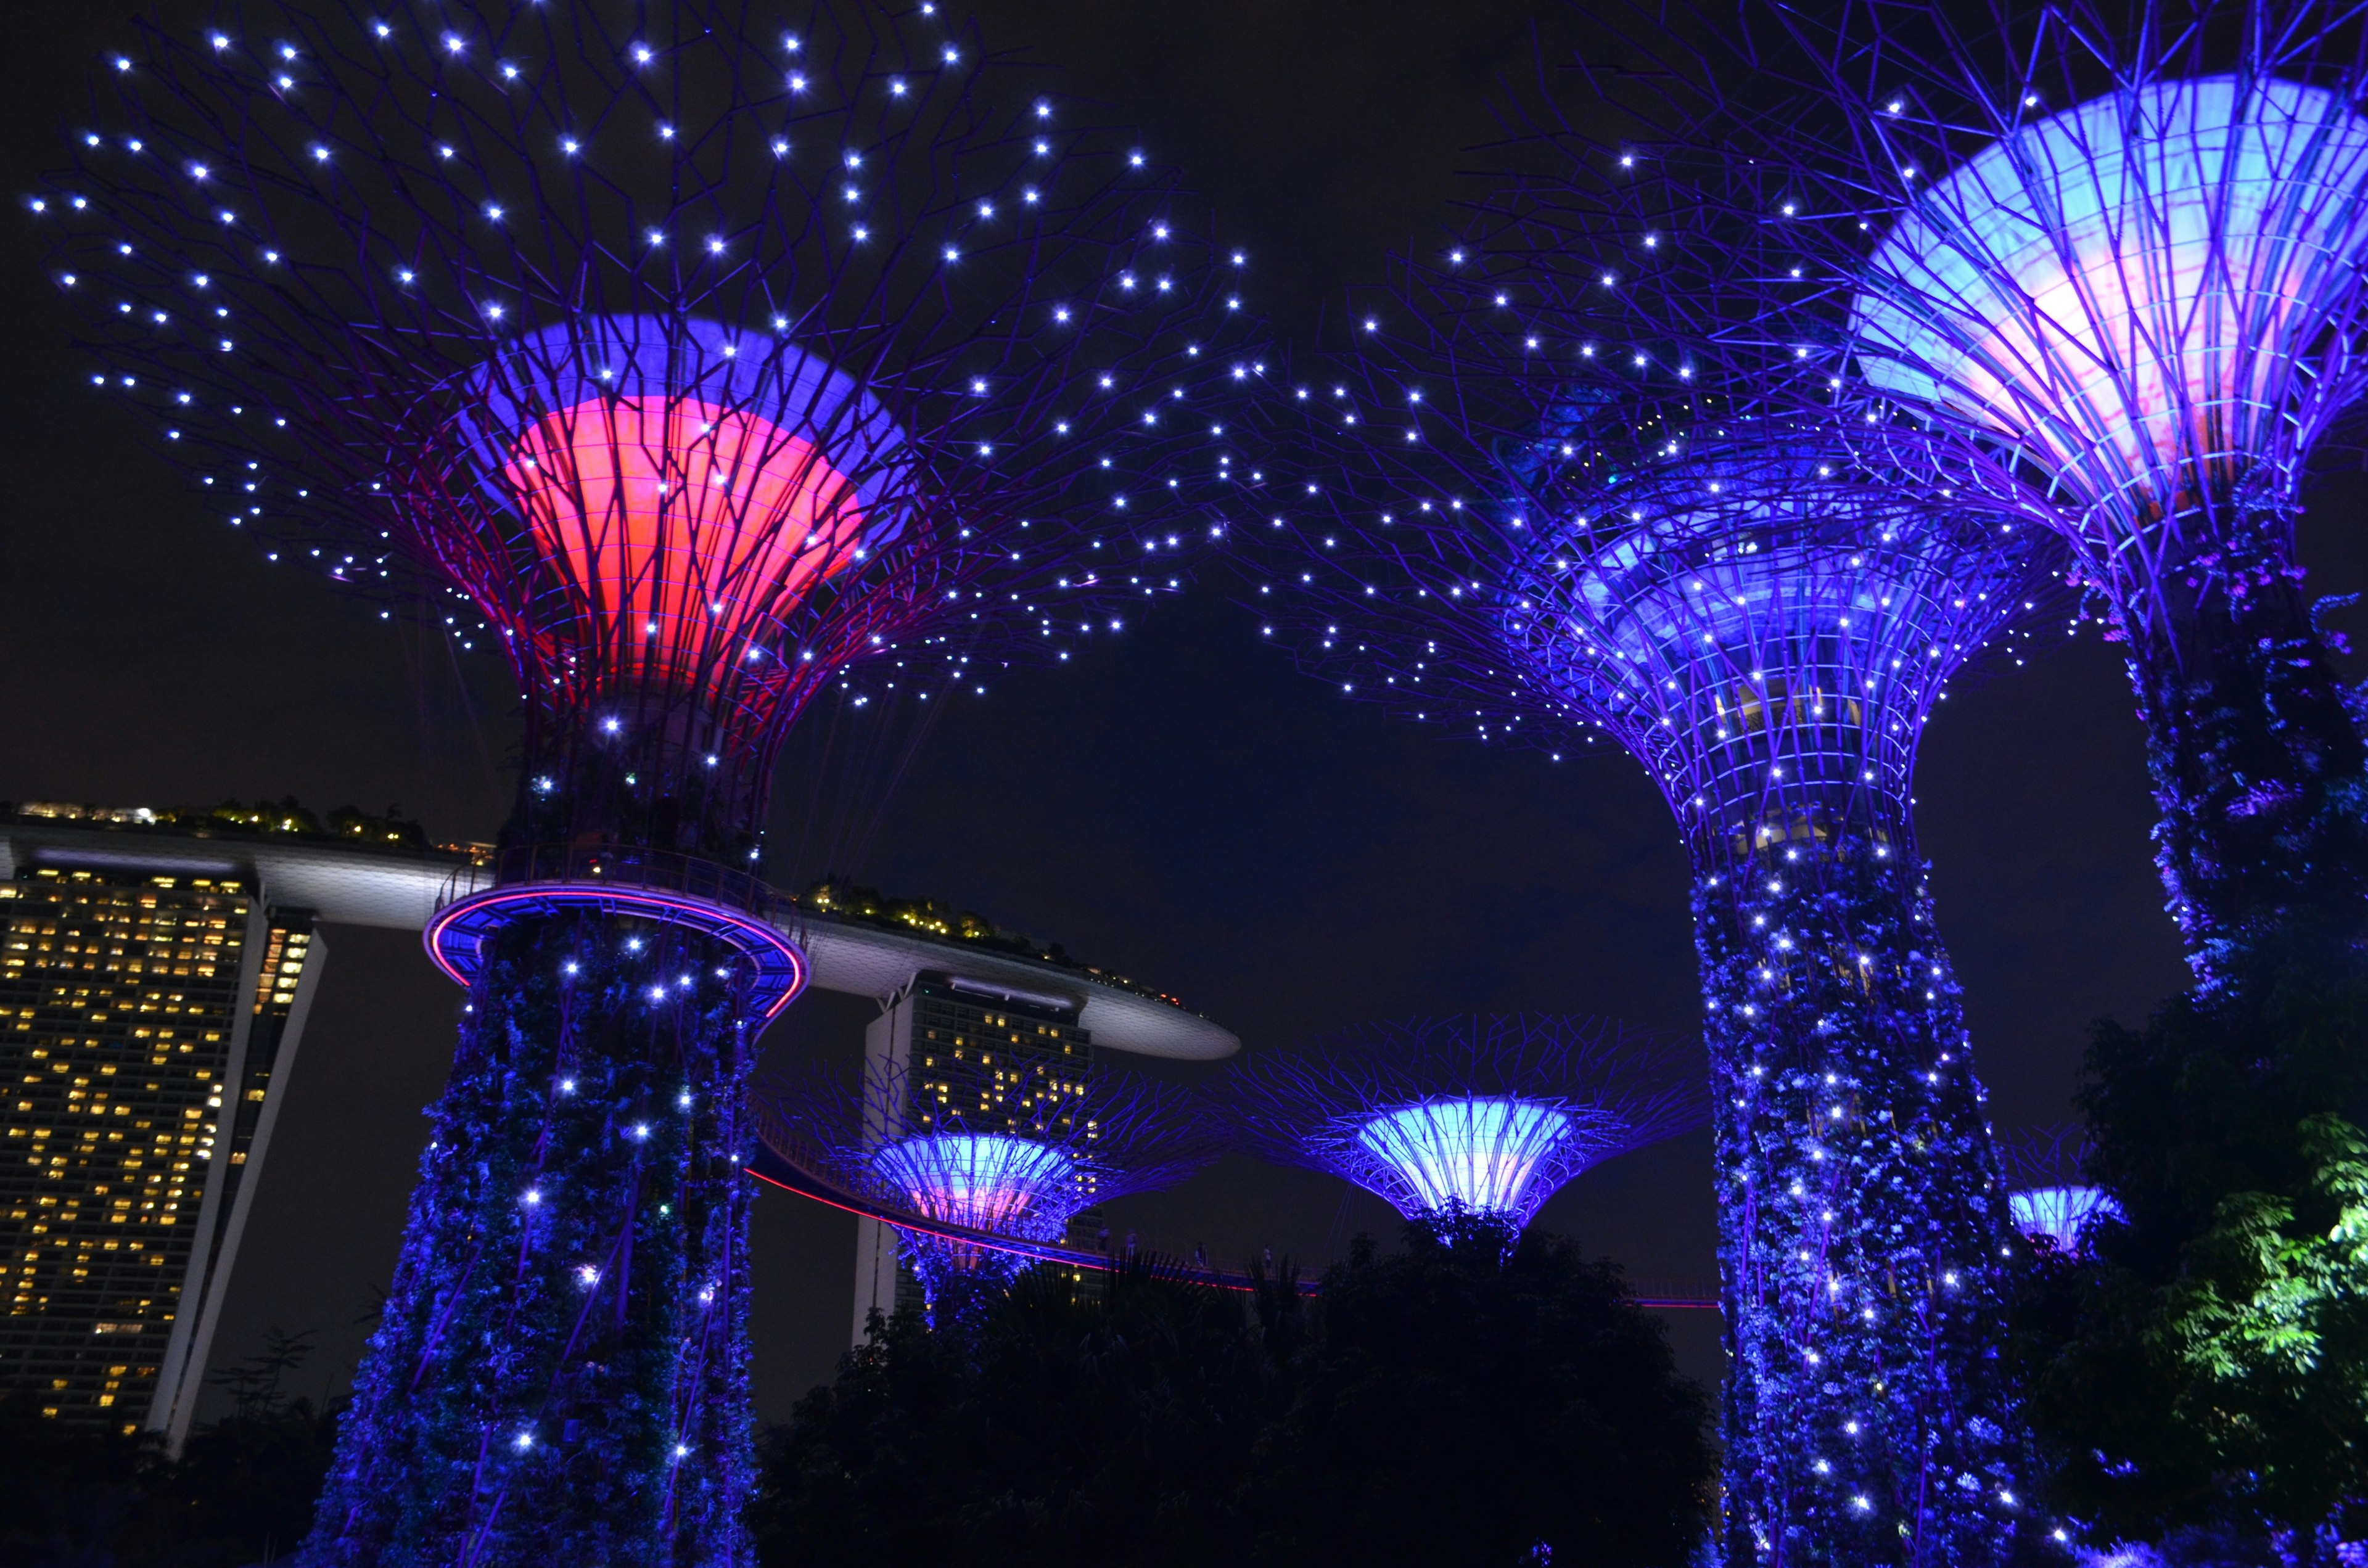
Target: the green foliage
(2205, 1100)
(1464, 1401)
(924, 916)
(388, 829)
(2271, 1331)
(2207, 1369)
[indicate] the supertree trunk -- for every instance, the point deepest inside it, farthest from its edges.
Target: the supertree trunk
(561, 1375)
(1862, 1221)
(2259, 774)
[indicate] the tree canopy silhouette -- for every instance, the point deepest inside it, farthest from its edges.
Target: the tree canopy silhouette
(1475, 1398)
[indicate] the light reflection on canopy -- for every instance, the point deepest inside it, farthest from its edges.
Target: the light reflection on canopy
(1764, 630)
(1018, 1170)
(1487, 1114)
(680, 521)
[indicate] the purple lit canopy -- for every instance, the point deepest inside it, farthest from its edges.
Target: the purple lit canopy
(696, 357)
(990, 1182)
(2052, 1198)
(1541, 504)
(691, 361)
(2103, 266)
(2060, 1213)
(1016, 1164)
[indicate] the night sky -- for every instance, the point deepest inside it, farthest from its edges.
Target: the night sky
(1181, 806)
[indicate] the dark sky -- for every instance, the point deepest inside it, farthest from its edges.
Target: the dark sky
(1182, 807)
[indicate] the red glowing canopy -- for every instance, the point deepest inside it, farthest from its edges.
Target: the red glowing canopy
(686, 491)
(681, 526)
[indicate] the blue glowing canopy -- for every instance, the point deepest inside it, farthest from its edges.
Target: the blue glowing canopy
(2060, 1213)
(1765, 627)
(2135, 289)
(1478, 1154)
(1479, 1115)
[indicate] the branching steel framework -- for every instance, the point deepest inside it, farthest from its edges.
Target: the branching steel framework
(695, 357)
(1487, 1116)
(1530, 509)
(898, 1140)
(2112, 264)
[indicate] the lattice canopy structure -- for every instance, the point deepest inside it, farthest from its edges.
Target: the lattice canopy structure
(2060, 1214)
(688, 498)
(2153, 300)
(2152, 293)
(1488, 1115)
(1018, 1170)
(1536, 519)
(1766, 632)
(691, 361)
(990, 1181)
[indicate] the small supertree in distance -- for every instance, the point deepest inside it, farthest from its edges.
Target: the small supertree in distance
(693, 359)
(980, 1187)
(1476, 1117)
(1523, 517)
(2117, 260)
(2050, 1194)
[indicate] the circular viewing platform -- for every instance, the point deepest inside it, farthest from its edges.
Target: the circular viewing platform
(480, 900)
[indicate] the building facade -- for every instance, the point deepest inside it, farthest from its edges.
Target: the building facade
(993, 1051)
(148, 1020)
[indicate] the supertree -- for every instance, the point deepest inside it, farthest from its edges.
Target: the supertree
(1447, 1117)
(982, 1185)
(1524, 517)
(2114, 262)
(2052, 1198)
(694, 361)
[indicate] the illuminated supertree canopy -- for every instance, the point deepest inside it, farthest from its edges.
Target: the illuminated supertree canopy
(691, 362)
(2052, 1200)
(2059, 1213)
(898, 1137)
(1479, 1116)
(1767, 636)
(695, 360)
(2114, 265)
(1530, 517)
